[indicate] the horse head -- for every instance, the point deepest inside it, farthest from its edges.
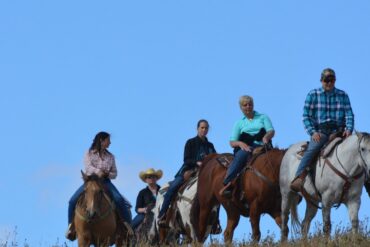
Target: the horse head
(94, 194)
(364, 150)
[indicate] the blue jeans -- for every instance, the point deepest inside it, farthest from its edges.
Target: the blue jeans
(312, 150)
(137, 220)
(172, 190)
(121, 203)
(240, 159)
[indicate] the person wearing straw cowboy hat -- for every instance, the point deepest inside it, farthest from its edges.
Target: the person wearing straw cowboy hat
(146, 198)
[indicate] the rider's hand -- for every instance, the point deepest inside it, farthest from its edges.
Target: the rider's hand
(245, 147)
(346, 133)
(316, 137)
(199, 163)
(265, 140)
(100, 173)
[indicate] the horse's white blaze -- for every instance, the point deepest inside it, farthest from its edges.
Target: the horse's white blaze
(351, 157)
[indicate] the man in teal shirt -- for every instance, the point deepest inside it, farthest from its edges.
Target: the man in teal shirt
(253, 130)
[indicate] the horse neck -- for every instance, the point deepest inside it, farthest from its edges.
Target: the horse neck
(347, 154)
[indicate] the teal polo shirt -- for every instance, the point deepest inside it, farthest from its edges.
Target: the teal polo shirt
(251, 126)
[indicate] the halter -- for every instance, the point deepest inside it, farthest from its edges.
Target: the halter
(101, 217)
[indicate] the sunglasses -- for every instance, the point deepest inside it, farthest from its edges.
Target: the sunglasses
(329, 78)
(150, 177)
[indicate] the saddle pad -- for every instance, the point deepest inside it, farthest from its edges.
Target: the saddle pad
(225, 160)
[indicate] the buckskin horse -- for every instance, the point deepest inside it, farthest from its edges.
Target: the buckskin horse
(338, 178)
(96, 220)
(257, 187)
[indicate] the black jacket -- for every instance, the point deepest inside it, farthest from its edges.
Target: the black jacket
(145, 198)
(195, 150)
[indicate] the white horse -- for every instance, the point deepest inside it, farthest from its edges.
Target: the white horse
(338, 178)
(181, 221)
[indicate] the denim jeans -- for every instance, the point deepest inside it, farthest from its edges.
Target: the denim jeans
(172, 190)
(121, 203)
(240, 158)
(72, 203)
(312, 150)
(137, 220)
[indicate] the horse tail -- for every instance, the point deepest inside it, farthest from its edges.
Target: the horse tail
(296, 224)
(194, 214)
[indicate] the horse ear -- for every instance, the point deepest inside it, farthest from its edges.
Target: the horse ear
(84, 176)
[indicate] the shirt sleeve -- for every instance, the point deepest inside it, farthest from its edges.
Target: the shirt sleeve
(188, 153)
(139, 201)
(90, 169)
(236, 132)
(267, 123)
(349, 116)
(113, 169)
(307, 115)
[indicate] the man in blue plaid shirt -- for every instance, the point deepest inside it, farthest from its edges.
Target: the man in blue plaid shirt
(327, 110)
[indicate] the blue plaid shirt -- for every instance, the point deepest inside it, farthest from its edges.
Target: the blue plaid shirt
(331, 107)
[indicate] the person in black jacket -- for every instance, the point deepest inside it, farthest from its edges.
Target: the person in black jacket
(195, 150)
(146, 198)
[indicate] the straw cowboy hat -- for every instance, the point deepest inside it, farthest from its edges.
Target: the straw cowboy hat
(149, 172)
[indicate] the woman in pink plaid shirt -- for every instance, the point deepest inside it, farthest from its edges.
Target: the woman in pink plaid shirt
(99, 161)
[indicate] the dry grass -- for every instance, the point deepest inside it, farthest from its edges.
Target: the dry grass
(341, 236)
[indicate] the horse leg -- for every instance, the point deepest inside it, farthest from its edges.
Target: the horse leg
(233, 218)
(326, 220)
(309, 215)
(285, 208)
(204, 213)
(254, 217)
(353, 208)
(83, 241)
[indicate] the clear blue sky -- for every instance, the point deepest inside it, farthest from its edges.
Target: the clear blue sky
(147, 71)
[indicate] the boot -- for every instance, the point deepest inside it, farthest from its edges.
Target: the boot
(297, 183)
(226, 191)
(162, 222)
(71, 232)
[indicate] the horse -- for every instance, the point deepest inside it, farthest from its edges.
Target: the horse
(179, 222)
(96, 220)
(337, 178)
(142, 230)
(255, 192)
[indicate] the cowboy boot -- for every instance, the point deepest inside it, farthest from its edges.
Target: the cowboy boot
(227, 190)
(71, 232)
(297, 183)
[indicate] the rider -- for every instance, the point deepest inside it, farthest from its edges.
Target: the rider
(253, 130)
(147, 197)
(195, 150)
(99, 161)
(327, 110)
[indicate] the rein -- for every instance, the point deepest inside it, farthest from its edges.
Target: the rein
(101, 217)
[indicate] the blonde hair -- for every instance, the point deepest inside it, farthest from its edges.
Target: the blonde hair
(245, 98)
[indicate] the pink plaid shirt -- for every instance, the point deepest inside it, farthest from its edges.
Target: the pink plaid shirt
(94, 163)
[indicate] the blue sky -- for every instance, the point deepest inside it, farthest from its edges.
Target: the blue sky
(147, 71)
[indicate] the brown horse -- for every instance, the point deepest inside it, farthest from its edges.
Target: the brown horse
(257, 187)
(96, 220)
